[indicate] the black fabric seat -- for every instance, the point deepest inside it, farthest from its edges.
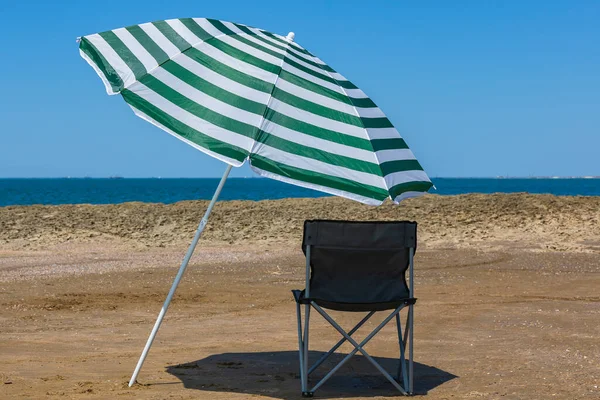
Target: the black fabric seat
(352, 307)
(357, 267)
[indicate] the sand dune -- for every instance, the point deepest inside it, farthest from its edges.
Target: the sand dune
(535, 222)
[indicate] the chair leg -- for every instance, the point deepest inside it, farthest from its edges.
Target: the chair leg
(405, 341)
(411, 319)
(300, 346)
(305, 392)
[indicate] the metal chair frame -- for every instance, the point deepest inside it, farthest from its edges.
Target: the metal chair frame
(405, 373)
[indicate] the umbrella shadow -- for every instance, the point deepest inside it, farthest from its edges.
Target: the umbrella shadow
(276, 375)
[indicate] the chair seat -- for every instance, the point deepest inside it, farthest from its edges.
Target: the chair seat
(352, 307)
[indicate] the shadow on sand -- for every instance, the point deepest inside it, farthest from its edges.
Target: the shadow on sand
(276, 375)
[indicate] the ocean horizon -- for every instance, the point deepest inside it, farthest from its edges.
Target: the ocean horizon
(55, 191)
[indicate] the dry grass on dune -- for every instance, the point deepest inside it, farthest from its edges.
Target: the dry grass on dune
(530, 221)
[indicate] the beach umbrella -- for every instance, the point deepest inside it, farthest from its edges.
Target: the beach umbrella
(238, 94)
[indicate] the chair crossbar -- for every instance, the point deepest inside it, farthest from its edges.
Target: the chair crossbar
(305, 340)
(300, 345)
(358, 347)
(342, 341)
(402, 364)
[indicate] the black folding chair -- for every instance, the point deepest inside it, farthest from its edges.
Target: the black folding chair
(358, 266)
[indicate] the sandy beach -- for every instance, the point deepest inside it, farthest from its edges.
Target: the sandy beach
(508, 289)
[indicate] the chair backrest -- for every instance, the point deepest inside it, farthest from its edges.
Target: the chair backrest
(359, 262)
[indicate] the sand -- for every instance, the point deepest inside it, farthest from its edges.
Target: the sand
(508, 288)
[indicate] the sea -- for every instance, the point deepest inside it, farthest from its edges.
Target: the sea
(156, 190)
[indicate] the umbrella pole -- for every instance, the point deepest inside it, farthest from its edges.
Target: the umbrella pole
(182, 269)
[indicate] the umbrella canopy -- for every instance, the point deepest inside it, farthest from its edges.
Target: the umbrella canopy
(240, 93)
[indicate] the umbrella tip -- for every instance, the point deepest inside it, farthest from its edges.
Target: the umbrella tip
(290, 37)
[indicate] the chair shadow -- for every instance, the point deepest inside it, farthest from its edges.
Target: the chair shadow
(276, 375)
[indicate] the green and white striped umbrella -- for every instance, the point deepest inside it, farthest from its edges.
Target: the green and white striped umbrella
(239, 93)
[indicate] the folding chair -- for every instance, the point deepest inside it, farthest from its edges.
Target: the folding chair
(358, 267)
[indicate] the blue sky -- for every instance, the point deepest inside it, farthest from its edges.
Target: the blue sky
(477, 88)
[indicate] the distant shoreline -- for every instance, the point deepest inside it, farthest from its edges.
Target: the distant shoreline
(260, 177)
(56, 191)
